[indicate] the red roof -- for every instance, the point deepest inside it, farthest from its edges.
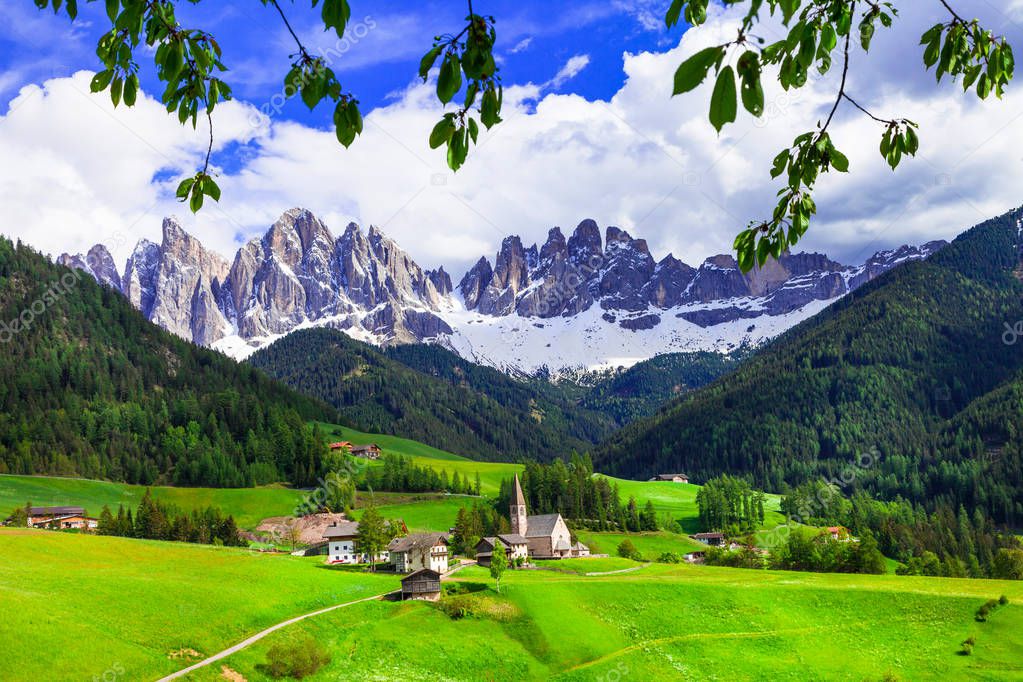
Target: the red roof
(340, 445)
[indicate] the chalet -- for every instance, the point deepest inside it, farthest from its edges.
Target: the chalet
(341, 445)
(371, 451)
(422, 584)
(342, 544)
(65, 518)
(547, 536)
(695, 557)
(712, 539)
(514, 546)
(837, 533)
(672, 478)
(419, 550)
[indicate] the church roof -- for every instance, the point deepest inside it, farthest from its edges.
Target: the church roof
(541, 526)
(517, 497)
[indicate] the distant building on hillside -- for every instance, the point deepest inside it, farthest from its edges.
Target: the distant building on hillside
(371, 451)
(419, 550)
(547, 536)
(64, 518)
(341, 445)
(673, 478)
(342, 545)
(514, 547)
(712, 539)
(422, 584)
(840, 533)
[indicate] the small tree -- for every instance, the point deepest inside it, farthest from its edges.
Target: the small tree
(628, 550)
(373, 534)
(106, 525)
(498, 563)
(292, 533)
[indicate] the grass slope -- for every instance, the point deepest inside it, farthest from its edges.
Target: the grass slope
(248, 505)
(681, 622)
(103, 603)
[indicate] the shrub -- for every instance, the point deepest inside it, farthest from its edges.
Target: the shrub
(297, 659)
(628, 550)
(967, 650)
(1003, 600)
(669, 558)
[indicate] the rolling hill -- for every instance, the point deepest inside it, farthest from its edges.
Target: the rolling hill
(912, 383)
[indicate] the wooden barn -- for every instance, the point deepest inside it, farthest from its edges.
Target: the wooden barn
(423, 584)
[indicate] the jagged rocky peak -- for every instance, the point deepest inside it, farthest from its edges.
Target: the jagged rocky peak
(627, 270)
(668, 283)
(585, 246)
(140, 275)
(441, 281)
(97, 262)
(510, 276)
(475, 282)
(187, 277)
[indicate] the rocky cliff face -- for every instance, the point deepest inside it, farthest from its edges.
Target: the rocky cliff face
(587, 300)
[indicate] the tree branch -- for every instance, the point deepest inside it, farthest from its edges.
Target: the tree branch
(287, 24)
(952, 12)
(845, 75)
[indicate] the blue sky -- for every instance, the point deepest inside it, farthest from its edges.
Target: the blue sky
(380, 53)
(590, 131)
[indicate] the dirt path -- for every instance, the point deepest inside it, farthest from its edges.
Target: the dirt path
(260, 635)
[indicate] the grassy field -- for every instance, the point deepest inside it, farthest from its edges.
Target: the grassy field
(248, 505)
(670, 623)
(104, 604)
(490, 473)
(679, 500)
(650, 545)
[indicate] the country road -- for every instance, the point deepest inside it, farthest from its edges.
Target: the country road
(260, 635)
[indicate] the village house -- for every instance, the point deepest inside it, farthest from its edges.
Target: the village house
(840, 533)
(547, 536)
(341, 445)
(371, 451)
(514, 547)
(64, 518)
(342, 545)
(418, 551)
(423, 584)
(673, 478)
(712, 539)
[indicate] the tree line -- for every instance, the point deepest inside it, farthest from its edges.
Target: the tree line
(401, 474)
(156, 520)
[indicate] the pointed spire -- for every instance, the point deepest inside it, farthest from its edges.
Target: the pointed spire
(518, 499)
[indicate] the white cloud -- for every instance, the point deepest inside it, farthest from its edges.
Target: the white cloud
(572, 68)
(643, 160)
(522, 45)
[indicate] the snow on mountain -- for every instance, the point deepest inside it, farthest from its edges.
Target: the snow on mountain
(580, 303)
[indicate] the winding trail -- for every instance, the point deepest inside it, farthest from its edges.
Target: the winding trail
(260, 635)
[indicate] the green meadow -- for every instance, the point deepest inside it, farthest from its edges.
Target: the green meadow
(248, 505)
(491, 473)
(671, 623)
(75, 606)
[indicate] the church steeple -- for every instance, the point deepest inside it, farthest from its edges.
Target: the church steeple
(517, 511)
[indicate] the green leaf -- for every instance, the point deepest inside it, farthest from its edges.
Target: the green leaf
(694, 70)
(211, 189)
(184, 188)
(428, 61)
(839, 161)
(450, 80)
(724, 101)
(101, 80)
(113, 6)
(131, 90)
(116, 88)
(674, 12)
(442, 132)
(196, 202)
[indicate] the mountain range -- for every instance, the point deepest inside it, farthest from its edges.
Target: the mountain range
(585, 302)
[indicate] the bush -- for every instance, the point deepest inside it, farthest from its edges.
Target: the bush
(628, 550)
(1003, 600)
(297, 659)
(669, 558)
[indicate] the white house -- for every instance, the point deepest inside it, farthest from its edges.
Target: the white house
(418, 551)
(342, 545)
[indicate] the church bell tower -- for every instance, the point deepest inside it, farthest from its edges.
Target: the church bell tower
(517, 511)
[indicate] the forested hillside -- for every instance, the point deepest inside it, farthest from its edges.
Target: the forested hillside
(431, 395)
(645, 387)
(89, 388)
(913, 367)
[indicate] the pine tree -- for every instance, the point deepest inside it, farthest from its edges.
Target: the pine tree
(372, 536)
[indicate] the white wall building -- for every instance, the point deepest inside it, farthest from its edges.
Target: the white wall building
(342, 545)
(419, 550)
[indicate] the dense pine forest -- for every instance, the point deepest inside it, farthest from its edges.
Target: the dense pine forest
(90, 388)
(916, 368)
(431, 395)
